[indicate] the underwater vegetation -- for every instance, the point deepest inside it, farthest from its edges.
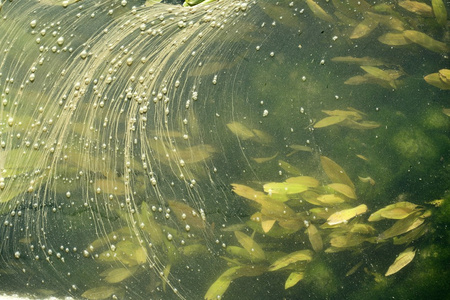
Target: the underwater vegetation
(224, 149)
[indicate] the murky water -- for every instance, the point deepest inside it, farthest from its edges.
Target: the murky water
(155, 151)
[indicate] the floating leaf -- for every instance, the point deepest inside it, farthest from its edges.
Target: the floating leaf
(346, 214)
(401, 261)
(314, 238)
(302, 255)
(335, 172)
(293, 279)
(250, 245)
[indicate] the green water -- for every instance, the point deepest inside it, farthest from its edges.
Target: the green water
(129, 133)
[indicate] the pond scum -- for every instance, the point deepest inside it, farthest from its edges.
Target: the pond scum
(224, 149)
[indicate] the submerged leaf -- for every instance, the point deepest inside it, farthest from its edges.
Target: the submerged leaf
(250, 245)
(363, 61)
(419, 8)
(293, 278)
(335, 172)
(289, 168)
(261, 160)
(402, 226)
(101, 292)
(319, 11)
(314, 238)
(328, 121)
(436, 80)
(284, 188)
(329, 199)
(397, 210)
(302, 255)
(440, 12)
(343, 189)
(303, 180)
(118, 275)
(393, 39)
(401, 261)
(346, 214)
(240, 130)
(426, 41)
(219, 287)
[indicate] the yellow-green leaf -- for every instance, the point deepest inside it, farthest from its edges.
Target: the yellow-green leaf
(440, 12)
(319, 11)
(314, 238)
(219, 287)
(284, 188)
(397, 210)
(346, 214)
(118, 275)
(293, 278)
(335, 172)
(426, 41)
(328, 121)
(343, 189)
(100, 292)
(289, 168)
(330, 199)
(302, 255)
(401, 261)
(250, 245)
